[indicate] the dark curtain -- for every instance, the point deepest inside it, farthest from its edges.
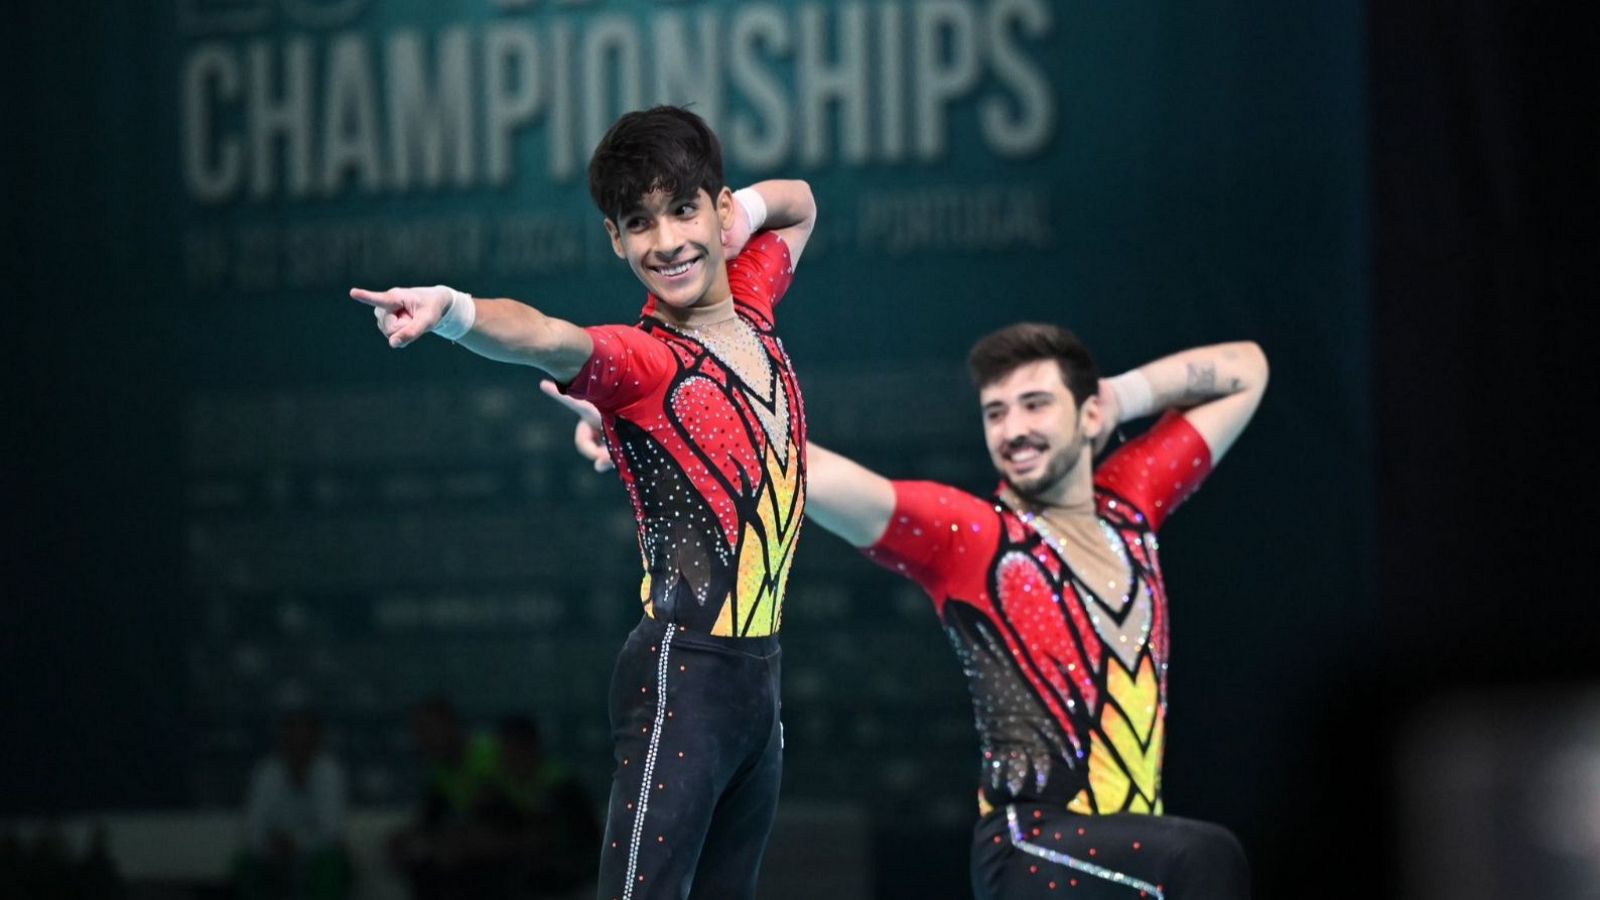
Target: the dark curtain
(1483, 173)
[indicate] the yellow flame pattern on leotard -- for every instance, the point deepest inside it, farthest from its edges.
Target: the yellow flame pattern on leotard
(765, 553)
(1125, 750)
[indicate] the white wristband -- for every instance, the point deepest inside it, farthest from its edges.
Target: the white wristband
(1134, 398)
(458, 316)
(755, 208)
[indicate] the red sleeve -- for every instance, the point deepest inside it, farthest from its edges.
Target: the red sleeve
(1159, 469)
(936, 536)
(626, 364)
(761, 274)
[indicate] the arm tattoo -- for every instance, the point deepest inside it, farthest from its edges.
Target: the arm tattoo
(1202, 381)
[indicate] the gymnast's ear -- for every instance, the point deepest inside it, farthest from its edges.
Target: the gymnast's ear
(615, 234)
(724, 203)
(1091, 417)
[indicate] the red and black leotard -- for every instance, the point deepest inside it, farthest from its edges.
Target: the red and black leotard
(1069, 690)
(715, 467)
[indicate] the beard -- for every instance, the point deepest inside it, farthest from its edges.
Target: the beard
(1056, 470)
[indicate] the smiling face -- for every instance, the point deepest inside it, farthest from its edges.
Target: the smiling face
(673, 243)
(1039, 439)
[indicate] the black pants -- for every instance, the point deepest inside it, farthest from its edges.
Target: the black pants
(1027, 850)
(698, 747)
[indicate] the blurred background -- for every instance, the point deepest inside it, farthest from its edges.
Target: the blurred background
(244, 534)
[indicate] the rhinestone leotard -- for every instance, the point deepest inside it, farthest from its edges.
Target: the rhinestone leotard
(1069, 689)
(714, 465)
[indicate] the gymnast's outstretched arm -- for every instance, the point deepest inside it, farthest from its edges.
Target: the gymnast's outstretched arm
(502, 330)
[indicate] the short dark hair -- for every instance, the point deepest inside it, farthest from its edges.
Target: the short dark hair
(998, 354)
(665, 148)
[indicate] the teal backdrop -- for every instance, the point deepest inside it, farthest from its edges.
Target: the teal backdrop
(243, 501)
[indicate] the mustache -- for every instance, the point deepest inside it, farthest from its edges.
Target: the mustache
(1024, 442)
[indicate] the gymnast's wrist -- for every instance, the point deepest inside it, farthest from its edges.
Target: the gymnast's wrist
(1135, 400)
(459, 315)
(755, 207)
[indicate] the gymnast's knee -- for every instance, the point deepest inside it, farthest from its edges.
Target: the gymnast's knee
(1214, 865)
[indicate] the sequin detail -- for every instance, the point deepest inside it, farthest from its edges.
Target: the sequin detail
(1123, 624)
(1072, 862)
(649, 762)
(1068, 691)
(714, 464)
